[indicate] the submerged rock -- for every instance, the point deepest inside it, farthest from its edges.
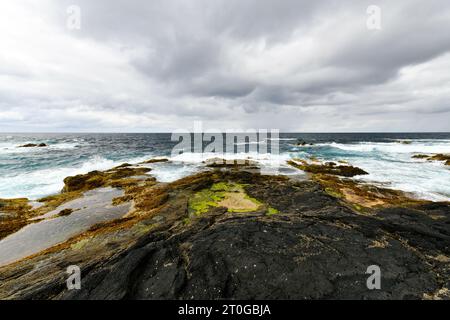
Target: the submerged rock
(65, 212)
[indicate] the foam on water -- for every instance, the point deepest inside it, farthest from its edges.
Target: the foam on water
(12, 148)
(38, 183)
(37, 172)
(426, 180)
(394, 147)
(391, 165)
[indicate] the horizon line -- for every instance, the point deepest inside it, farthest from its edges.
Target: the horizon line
(169, 132)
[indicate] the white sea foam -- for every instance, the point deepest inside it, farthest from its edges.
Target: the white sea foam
(426, 180)
(250, 142)
(391, 164)
(36, 184)
(282, 139)
(394, 147)
(171, 172)
(13, 148)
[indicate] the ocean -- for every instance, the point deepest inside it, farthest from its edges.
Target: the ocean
(37, 172)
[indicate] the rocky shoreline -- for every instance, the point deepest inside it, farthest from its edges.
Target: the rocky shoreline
(231, 233)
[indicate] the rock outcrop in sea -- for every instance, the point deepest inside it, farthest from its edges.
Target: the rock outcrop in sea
(33, 145)
(445, 158)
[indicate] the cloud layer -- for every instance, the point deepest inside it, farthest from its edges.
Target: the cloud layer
(160, 65)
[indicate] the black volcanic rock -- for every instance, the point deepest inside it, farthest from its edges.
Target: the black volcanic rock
(32, 145)
(314, 247)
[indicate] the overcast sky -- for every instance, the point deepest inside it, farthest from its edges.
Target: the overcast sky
(143, 66)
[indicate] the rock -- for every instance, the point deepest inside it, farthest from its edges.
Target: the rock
(156, 160)
(440, 157)
(314, 247)
(123, 165)
(436, 157)
(4, 216)
(231, 163)
(302, 143)
(97, 179)
(327, 168)
(363, 197)
(32, 145)
(15, 213)
(420, 156)
(65, 212)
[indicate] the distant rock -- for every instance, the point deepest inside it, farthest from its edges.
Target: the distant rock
(33, 145)
(436, 157)
(302, 143)
(420, 156)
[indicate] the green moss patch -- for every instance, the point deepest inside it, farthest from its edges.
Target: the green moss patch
(222, 194)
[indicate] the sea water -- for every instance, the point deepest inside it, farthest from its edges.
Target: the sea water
(38, 172)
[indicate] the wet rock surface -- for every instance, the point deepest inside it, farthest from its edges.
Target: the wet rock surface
(444, 158)
(33, 145)
(310, 245)
(327, 168)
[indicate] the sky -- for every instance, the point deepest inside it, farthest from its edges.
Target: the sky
(160, 66)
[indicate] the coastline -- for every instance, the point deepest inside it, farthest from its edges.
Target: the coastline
(235, 199)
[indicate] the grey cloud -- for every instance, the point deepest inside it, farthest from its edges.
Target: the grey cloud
(232, 61)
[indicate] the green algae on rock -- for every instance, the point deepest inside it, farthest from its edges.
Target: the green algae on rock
(229, 195)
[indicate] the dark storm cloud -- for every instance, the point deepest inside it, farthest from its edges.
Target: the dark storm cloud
(162, 63)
